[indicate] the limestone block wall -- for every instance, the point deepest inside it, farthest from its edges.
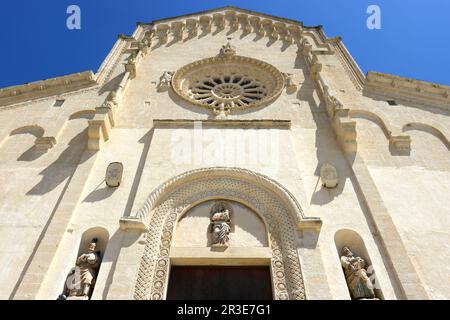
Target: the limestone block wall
(415, 190)
(34, 178)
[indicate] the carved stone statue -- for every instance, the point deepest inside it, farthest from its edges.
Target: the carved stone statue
(358, 282)
(81, 280)
(220, 226)
(130, 66)
(165, 80)
(227, 50)
(143, 46)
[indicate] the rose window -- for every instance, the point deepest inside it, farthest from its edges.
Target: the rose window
(228, 82)
(232, 91)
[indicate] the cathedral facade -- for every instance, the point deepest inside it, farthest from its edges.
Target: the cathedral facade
(225, 154)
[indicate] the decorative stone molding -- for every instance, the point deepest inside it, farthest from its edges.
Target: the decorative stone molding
(162, 33)
(201, 84)
(396, 140)
(408, 89)
(241, 124)
(63, 96)
(44, 143)
(167, 204)
(192, 27)
(44, 88)
(343, 126)
(205, 24)
(401, 143)
(219, 21)
(291, 87)
(434, 128)
(228, 18)
(125, 37)
(177, 29)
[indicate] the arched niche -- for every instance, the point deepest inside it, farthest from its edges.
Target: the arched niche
(100, 237)
(247, 228)
(101, 234)
(351, 239)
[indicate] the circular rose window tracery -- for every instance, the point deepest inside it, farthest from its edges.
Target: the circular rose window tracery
(233, 90)
(228, 82)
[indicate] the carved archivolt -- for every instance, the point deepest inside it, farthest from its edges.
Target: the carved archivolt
(275, 205)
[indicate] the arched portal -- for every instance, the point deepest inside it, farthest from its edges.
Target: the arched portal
(278, 209)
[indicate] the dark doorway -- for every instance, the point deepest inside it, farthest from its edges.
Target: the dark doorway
(219, 283)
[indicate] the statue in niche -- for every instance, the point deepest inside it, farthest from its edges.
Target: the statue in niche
(358, 282)
(81, 280)
(220, 226)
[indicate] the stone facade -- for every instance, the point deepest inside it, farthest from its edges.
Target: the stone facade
(234, 106)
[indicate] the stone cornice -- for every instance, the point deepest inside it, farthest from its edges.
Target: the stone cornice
(48, 87)
(241, 124)
(227, 8)
(408, 89)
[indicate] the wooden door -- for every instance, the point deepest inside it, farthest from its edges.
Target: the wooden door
(219, 283)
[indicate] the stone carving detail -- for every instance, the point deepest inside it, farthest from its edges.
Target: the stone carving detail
(165, 80)
(329, 176)
(287, 278)
(130, 66)
(143, 46)
(220, 226)
(111, 101)
(291, 87)
(80, 281)
(227, 51)
(113, 176)
(359, 284)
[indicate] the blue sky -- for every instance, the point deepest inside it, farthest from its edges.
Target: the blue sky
(414, 40)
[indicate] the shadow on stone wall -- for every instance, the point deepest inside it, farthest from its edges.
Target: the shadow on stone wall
(63, 167)
(146, 139)
(32, 153)
(100, 194)
(324, 134)
(120, 239)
